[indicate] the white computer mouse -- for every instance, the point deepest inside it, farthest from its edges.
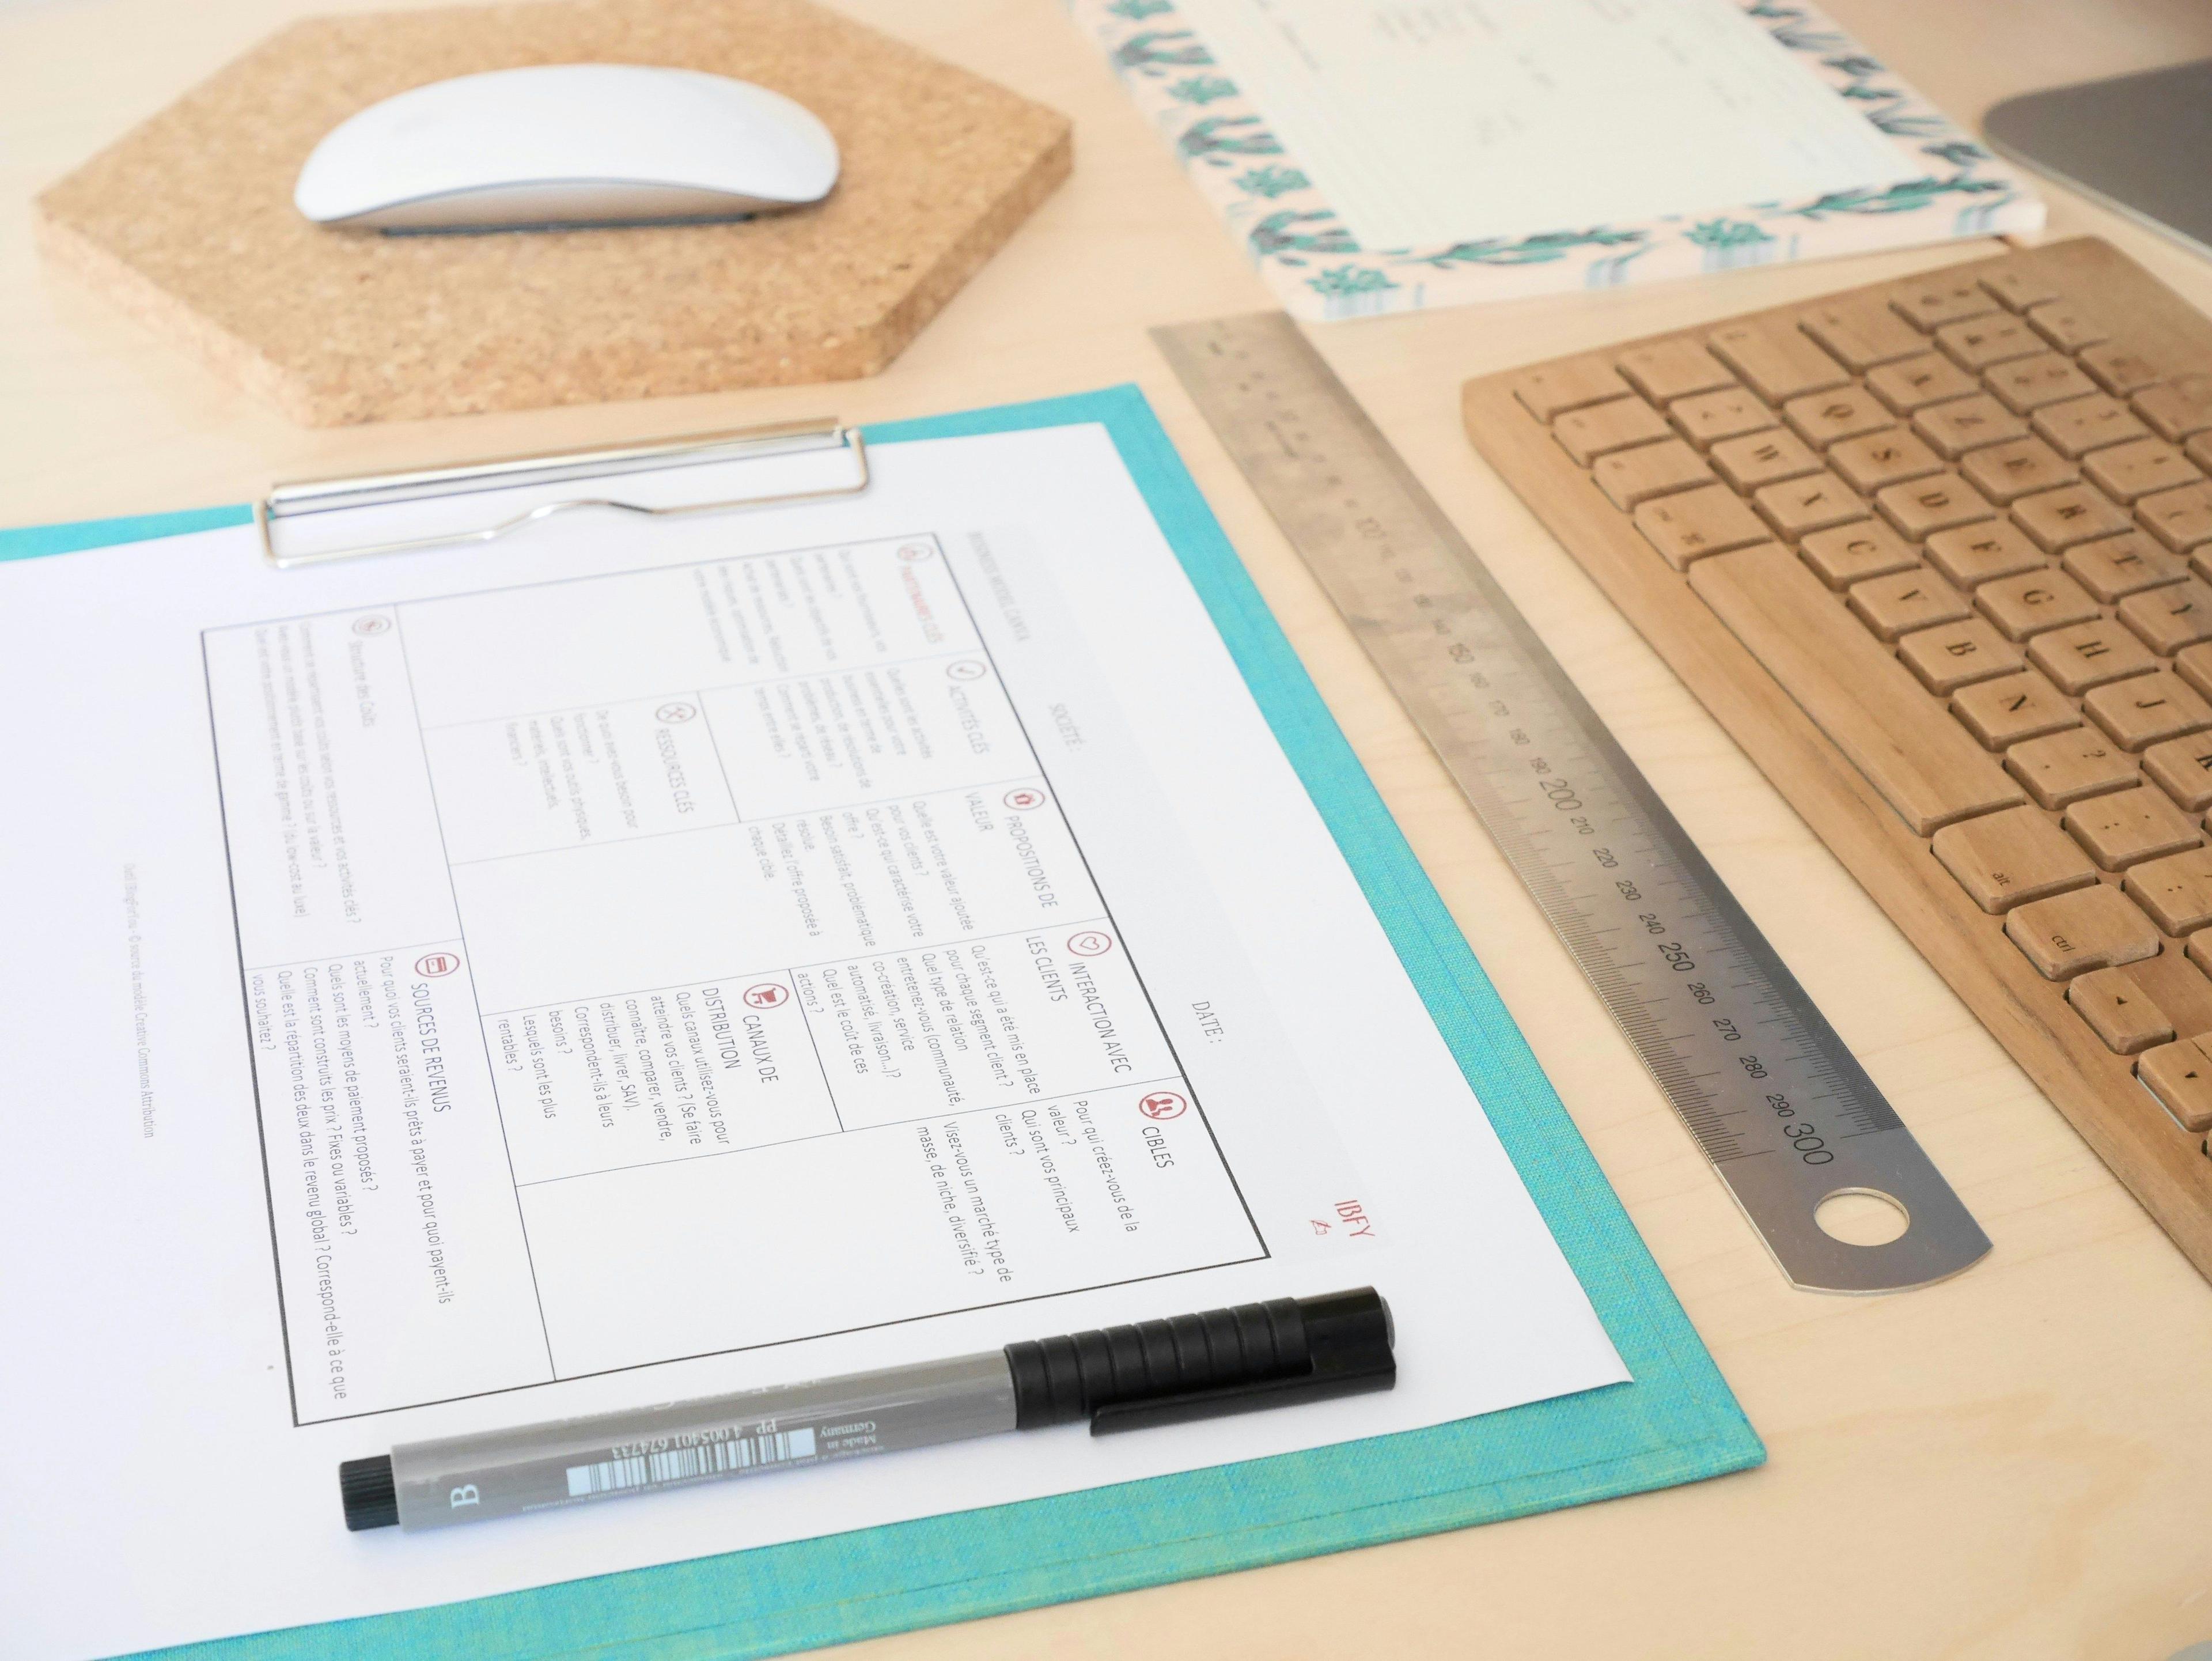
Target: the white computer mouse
(568, 144)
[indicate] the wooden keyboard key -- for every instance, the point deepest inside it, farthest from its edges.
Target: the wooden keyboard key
(2196, 948)
(1932, 504)
(2183, 769)
(2181, 519)
(1826, 418)
(1845, 553)
(1955, 655)
(1930, 772)
(2026, 605)
(1971, 555)
(2145, 709)
(1757, 458)
(2177, 891)
(1884, 458)
(2004, 472)
(1705, 419)
(1982, 341)
(2118, 1011)
(2088, 655)
(2009, 858)
(2194, 665)
(2112, 567)
(2068, 326)
(2129, 826)
(2119, 368)
(1650, 470)
(2198, 449)
(2070, 934)
(1780, 361)
(2073, 512)
(1667, 369)
(1907, 601)
(1967, 424)
(1917, 382)
(2082, 424)
(2178, 407)
(2180, 1075)
(1692, 524)
(2027, 384)
(2063, 768)
(2179, 988)
(1861, 331)
(1812, 503)
(1617, 425)
(2019, 289)
(1557, 387)
(2002, 712)
(2168, 618)
(2129, 471)
(1928, 302)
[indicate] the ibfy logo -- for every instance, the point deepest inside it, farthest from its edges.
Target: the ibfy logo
(1354, 1216)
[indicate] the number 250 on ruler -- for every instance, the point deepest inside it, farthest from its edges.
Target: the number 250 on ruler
(1783, 1109)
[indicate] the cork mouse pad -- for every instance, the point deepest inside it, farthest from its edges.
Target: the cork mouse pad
(188, 220)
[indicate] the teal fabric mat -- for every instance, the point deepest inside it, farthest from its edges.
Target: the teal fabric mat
(1675, 1423)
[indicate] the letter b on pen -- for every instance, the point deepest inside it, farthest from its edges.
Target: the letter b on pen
(466, 1494)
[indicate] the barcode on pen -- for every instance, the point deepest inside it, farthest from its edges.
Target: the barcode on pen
(708, 1459)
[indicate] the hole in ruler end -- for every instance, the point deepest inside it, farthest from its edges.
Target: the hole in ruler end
(1862, 1216)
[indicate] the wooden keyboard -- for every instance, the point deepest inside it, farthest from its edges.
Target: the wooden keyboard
(1938, 554)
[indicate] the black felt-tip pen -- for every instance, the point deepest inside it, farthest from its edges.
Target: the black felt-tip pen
(1125, 1378)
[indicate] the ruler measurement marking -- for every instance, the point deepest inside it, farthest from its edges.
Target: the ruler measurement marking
(1740, 1052)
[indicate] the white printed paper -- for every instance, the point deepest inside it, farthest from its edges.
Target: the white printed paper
(1429, 122)
(634, 962)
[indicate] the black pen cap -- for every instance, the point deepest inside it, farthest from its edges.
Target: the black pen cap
(367, 1490)
(1201, 1367)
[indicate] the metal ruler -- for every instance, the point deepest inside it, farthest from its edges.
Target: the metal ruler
(1787, 1115)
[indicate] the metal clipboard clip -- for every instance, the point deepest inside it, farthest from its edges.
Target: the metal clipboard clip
(303, 497)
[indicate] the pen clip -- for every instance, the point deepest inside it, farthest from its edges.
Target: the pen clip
(1320, 1384)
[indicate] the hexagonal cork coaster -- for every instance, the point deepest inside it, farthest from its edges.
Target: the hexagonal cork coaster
(188, 221)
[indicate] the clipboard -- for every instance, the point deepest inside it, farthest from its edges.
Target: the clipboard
(1676, 1422)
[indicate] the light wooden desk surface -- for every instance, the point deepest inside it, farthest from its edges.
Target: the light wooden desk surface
(2014, 1465)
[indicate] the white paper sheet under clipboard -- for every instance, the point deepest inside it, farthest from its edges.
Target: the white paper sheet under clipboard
(669, 953)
